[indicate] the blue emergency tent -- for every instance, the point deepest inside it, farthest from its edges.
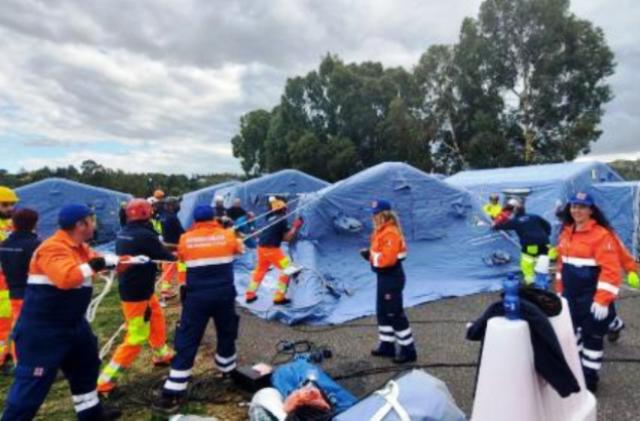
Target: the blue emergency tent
(550, 185)
(199, 197)
(50, 195)
(254, 193)
(452, 252)
(620, 203)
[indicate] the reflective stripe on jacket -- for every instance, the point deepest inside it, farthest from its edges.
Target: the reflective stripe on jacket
(589, 263)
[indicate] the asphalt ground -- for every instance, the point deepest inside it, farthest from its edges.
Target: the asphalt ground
(443, 351)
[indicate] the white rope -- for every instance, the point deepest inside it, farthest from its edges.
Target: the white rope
(278, 220)
(95, 303)
(106, 348)
(265, 214)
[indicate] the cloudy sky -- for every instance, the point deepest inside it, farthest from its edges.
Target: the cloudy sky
(160, 85)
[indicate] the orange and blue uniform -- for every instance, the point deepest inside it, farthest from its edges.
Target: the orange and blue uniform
(143, 314)
(386, 252)
(52, 332)
(588, 271)
(208, 250)
(270, 254)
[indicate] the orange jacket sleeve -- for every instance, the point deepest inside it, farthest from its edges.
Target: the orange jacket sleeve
(606, 255)
(385, 250)
(60, 266)
(626, 259)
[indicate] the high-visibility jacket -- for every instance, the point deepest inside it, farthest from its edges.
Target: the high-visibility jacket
(6, 227)
(208, 251)
(588, 263)
(59, 286)
(388, 247)
(492, 209)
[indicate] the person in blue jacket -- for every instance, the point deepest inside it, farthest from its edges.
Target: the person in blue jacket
(15, 255)
(533, 231)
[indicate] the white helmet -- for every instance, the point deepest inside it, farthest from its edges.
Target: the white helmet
(270, 400)
(152, 200)
(515, 202)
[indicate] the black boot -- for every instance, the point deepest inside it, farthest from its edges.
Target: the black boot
(110, 413)
(406, 355)
(614, 334)
(385, 350)
(168, 404)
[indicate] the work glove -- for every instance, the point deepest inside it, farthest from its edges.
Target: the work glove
(138, 260)
(366, 254)
(633, 280)
(297, 223)
(599, 311)
(97, 264)
(111, 260)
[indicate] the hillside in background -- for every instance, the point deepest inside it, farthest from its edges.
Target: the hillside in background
(630, 170)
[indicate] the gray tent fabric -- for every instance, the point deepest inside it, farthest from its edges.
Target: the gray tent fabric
(415, 396)
(452, 251)
(254, 193)
(48, 196)
(197, 198)
(550, 185)
(620, 203)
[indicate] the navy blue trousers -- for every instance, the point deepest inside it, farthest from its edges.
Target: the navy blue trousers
(199, 307)
(590, 333)
(42, 349)
(393, 325)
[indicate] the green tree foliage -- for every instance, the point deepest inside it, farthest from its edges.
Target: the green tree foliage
(629, 170)
(525, 83)
(249, 144)
(137, 184)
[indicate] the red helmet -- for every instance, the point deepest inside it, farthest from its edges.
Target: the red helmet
(138, 210)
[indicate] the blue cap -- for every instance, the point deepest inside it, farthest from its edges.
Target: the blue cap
(379, 206)
(71, 214)
(582, 198)
(203, 213)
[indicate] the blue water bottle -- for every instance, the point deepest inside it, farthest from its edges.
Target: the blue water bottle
(511, 299)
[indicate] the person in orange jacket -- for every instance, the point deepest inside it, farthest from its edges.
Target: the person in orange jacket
(270, 254)
(140, 306)
(8, 200)
(52, 332)
(589, 277)
(208, 250)
(387, 251)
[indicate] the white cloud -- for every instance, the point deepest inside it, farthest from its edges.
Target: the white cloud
(169, 79)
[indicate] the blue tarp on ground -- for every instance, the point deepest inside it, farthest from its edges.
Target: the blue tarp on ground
(50, 195)
(620, 203)
(254, 193)
(550, 184)
(448, 238)
(199, 197)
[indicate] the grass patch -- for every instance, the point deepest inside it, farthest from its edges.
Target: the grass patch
(211, 396)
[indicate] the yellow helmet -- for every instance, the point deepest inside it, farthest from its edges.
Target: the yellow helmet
(7, 195)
